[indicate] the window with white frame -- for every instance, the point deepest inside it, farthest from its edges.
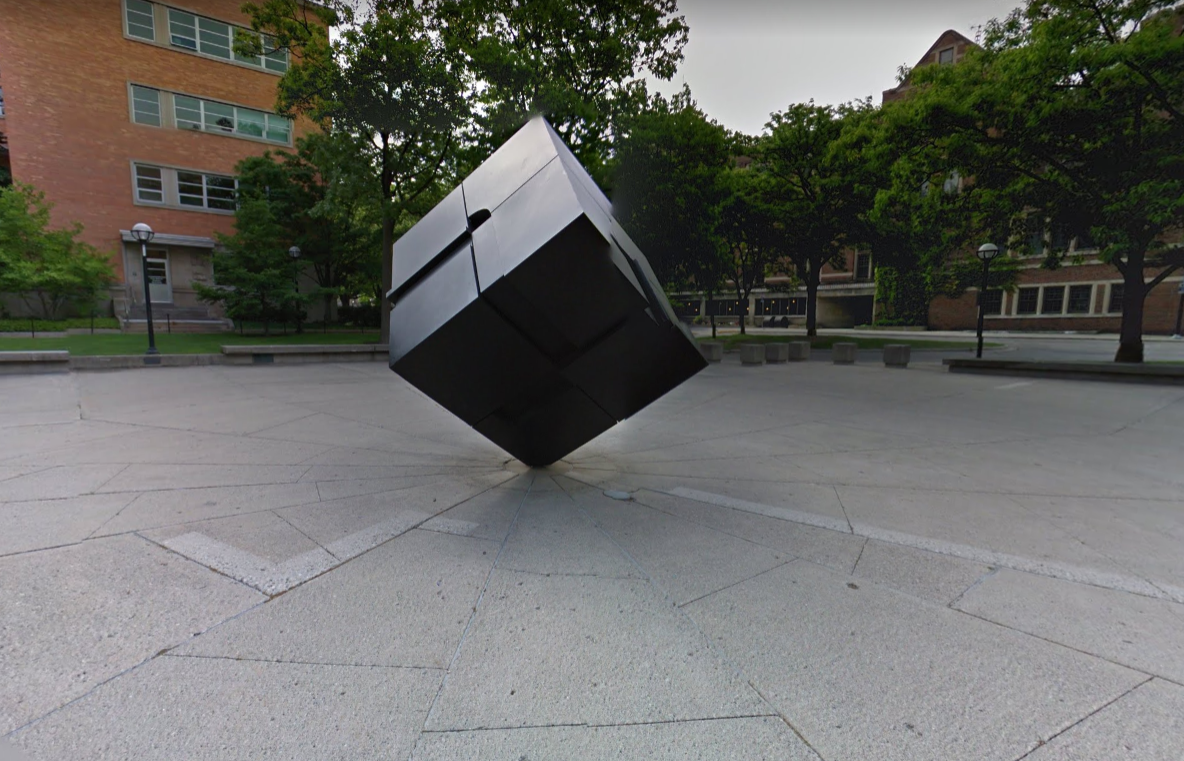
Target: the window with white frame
(184, 188)
(1081, 298)
(1053, 301)
(863, 267)
(149, 184)
(146, 106)
(1026, 300)
(200, 34)
(992, 302)
(1117, 291)
(946, 56)
(212, 116)
(140, 19)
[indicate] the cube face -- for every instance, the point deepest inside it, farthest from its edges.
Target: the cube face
(521, 306)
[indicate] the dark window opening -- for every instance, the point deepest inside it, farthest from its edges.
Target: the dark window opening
(725, 308)
(863, 266)
(1027, 299)
(1054, 300)
(1116, 293)
(993, 302)
(1081, 299)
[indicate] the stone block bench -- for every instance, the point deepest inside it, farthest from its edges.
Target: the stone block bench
(752, 354)
(799, 351)
(297, 354)
(776, 353)
(713, 351)
(844, 353)
(34, 362)
(896, 355)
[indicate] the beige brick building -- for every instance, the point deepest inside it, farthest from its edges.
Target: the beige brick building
(126, 111)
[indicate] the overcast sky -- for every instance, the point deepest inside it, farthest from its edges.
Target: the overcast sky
(748, 58)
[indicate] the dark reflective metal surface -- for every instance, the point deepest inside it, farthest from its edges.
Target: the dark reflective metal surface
(520, 305)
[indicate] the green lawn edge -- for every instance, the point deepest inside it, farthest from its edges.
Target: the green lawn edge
(184, 343)
(733, 340)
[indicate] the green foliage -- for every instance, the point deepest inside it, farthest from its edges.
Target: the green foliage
(580, 63)
(50, 269)
(21, 324)
(1071, 114)
(819, 191)
(669, 184)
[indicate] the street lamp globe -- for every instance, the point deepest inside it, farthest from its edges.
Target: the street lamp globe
(294, 252)
(142, 232)
(987, 251)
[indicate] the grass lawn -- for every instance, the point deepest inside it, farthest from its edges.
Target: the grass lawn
(178, 343)
(732, 340)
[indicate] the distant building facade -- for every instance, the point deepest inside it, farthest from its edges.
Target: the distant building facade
(126, 111)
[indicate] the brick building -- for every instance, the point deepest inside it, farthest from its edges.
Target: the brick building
(1083, 295)
(126, 111)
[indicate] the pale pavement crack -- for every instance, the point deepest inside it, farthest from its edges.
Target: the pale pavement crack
(472, 617)
(858, 557)
(1092, 713)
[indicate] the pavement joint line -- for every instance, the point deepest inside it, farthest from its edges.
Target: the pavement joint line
(118, 512)
(561, 574)
(1051, 569)
(952, 604)
(726, 587)
(1089, 715)
(472, 616)
(588, 725)
(859, 557)
(248, 434)
(845, 516)
(711, 645)
(276, 513)
(281, 661)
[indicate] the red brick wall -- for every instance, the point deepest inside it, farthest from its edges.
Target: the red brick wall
(66, 66)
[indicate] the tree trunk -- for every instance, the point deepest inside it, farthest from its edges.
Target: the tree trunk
(813, 277)
(1130, 342)
(740, 300)
(384, 309)
(1134, 293)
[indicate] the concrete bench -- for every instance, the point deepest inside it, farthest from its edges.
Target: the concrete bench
(713, 351)
(752, 354)
(302, 354)
(799, 351)
(34, 362)
(776, 353)
(896, 355)
(843, 353)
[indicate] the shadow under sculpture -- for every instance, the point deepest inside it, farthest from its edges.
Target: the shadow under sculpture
(521, 306)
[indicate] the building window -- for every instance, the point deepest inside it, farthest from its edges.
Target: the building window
(993, 302)
(149, 184)
(211, 116)
(1116, 294)
(1084, 241)
(863, 266)
(1081, 299)
(1026, 300)
(208, 191)
(1054, 300)
(140, 22)
(722, 307)
(946, 56)
(952, 183)
(145, 105)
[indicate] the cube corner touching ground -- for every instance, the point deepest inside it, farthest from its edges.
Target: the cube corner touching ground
(521, 305)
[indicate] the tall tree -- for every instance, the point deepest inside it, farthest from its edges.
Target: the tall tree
(818, 189)
(1072, 113)
(749, 225)
(387, 77)
(668, 179)
(49, 268)
(580, 63)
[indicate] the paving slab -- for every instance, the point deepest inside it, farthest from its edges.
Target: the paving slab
(552, 536)
(761, 738)
(172, 507)
(833, 549)
(1144, 725)
(76, 616)
(223, 710)
(405, 603)
(685, 559)
(52, 523)
(547, 650)
(1135, 631)
(58, 483)
(150, 477)
(928, 575)
(866, 672)
(486, 516)
(262, 534)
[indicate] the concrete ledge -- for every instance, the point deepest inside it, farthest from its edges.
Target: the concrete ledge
(34, 362)
(799, 351)
(843, 353)
(295, 354)
(128, 361)
(712, 351)
(897, 355)
(752, 354)
(777, 353)
(1097, 371)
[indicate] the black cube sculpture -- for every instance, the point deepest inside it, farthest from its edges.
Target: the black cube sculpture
(521, 306)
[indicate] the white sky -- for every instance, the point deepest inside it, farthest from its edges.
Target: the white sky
(748, 58)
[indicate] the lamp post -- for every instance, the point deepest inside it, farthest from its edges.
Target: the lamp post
(1180, 312)
(986, 252)
(143, 233)
(294, 252)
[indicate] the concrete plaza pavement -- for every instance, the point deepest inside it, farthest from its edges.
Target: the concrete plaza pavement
(799, 561)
